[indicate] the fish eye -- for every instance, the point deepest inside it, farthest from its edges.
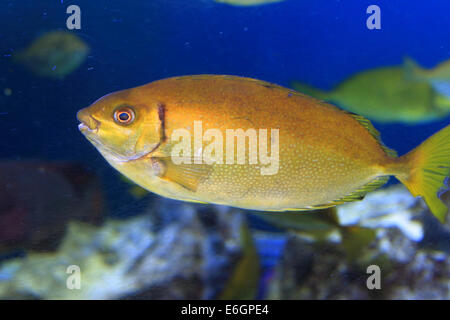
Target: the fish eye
(124, 115)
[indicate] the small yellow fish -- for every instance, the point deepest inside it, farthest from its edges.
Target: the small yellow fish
(320, 226)
(247, 2)
(438, 77)
(320, 155)
(385, 95)
(54, 55)
(244, 281)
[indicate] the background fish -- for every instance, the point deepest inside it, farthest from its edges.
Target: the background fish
(244, 281)
(322, 226)
(438, 77)
(55, 54)
(327, 156)
(247, 2)
(385, 95)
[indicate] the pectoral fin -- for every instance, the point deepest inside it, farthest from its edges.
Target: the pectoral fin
(186, 175)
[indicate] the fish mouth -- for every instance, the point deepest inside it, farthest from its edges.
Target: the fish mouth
(87, 122)
(89, 127)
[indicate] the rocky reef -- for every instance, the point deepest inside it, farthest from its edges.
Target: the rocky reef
(177, 250)
(191, 257)
(413, 262)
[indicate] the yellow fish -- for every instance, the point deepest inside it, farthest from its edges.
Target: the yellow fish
(54, 55)
(244, 281)
(438, 77)
(320, 156)
(247, 2)
(320, 226)
(385, 95)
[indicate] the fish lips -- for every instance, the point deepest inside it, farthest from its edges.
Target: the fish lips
(87, 122)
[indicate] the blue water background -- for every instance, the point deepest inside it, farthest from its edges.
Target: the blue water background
(134, 42)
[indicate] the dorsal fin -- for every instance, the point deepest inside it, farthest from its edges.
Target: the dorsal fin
(373, 132)
(261, 83)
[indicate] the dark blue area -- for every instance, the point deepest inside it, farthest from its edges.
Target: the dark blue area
(135, 42)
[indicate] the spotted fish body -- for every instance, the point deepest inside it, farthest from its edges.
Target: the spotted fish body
(326, 156)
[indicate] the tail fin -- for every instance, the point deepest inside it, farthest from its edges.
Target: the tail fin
(442, 103)
(412, 70)
(425, 171)
(309, 90)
